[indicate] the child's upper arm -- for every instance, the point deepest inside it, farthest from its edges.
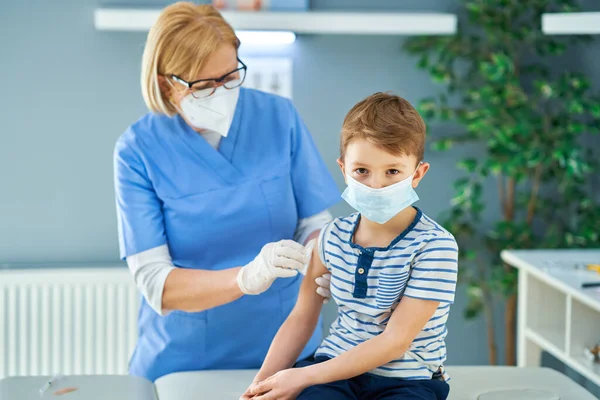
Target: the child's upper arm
(308, 298)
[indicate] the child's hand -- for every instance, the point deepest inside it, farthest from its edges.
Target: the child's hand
(284, 385)
(248, 393)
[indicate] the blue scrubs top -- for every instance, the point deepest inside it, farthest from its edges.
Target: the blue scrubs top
(216, 209)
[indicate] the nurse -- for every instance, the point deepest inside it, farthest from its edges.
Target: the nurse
(215, 188)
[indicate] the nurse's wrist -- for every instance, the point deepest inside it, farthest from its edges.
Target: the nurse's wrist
(239, 281)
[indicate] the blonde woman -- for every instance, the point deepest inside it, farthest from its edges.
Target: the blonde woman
(215, 188)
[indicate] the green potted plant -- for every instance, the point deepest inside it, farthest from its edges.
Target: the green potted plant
(534, 124)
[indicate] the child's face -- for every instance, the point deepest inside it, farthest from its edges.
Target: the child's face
(376, 168)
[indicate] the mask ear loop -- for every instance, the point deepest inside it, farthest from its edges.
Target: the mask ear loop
(416, 169)
(173, 88)
(418, 165)
(177, 107)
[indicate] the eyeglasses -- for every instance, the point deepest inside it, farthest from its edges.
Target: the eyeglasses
(206, 87)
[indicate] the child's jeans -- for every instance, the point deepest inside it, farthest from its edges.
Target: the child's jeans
(373, 387)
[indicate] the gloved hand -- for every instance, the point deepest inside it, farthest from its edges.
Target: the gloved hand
(309, 250)
(324, 281)
(281, 259)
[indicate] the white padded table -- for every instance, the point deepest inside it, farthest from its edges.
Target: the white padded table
(467, 383)
(89, 387)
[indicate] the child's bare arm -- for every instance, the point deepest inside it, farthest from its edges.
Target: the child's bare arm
(297, 329)
(406, 322)
(404, 325)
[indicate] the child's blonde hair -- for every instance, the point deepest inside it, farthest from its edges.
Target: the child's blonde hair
(389, 122)
(179, 43)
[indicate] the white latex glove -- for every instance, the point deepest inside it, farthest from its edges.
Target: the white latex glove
(281, 259)
(309, 250)
(324, 281)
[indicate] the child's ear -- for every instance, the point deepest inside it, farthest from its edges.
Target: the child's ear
(420, 173)
(341, 164)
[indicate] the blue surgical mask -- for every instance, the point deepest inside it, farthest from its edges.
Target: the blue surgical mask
(380, 205)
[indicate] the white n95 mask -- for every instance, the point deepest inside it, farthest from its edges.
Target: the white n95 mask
(380, 205)
(213, 113)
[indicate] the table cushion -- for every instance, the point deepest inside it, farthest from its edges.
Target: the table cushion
(467, 383)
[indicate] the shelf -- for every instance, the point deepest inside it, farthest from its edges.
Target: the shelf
(309, 22)
(584, 23)
(585, 328)
(580, 364)
(587, 368)
(547, 312)
(551, 338)
(545, 344)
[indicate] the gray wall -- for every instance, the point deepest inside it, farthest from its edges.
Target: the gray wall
(70, 91)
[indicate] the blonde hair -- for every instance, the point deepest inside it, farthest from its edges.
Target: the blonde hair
(179, 43)
(387, 121)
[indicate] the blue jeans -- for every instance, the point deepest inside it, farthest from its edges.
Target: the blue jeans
(373, 387)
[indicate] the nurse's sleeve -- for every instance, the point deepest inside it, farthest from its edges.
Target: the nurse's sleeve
(314, 188)
(150, 270)
(306, 226)
(139, 210)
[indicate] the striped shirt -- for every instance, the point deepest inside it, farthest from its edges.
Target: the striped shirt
(368, 283)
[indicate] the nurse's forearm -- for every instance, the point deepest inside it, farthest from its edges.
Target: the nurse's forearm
(195, 290)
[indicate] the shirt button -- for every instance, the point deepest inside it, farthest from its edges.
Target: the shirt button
(361, 271)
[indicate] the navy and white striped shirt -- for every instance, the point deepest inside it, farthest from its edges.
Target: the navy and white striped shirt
(368, 283)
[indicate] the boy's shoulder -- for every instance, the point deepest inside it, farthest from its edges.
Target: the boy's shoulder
(342, 227)
(339, 231)
(425, 230)
(346, 222)
(428, 226)
(428, 232)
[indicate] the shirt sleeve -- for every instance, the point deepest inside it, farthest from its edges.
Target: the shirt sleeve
(306, 226)
(150, 269)
(434, 271)
(139, 210)
(314, 188)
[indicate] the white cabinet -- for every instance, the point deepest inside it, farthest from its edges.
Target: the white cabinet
(554, 313)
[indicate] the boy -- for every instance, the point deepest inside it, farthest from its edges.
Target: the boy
(393, 276)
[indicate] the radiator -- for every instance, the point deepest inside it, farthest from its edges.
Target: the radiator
(67, 321)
